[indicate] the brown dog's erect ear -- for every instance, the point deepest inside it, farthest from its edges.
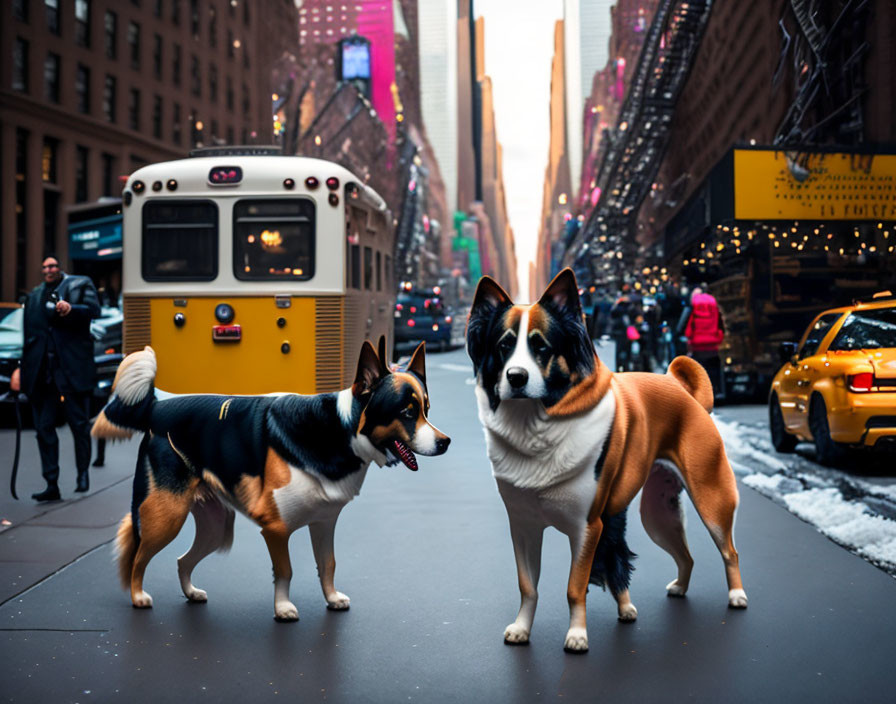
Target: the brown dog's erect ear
(490, 292)
(381, 351)
(563, 291)
(418, 363)
(370, 370)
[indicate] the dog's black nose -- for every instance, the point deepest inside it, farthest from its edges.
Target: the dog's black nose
(517, 377)
(442, 445)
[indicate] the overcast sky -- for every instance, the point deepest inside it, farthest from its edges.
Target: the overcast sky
(519, 46)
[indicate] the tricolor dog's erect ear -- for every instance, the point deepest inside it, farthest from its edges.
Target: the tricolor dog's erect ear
(418, 363)
(489, 292)
(563, 292)
(370, 370)
(381, 351)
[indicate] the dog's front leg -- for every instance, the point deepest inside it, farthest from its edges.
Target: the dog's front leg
(322, 544)
(582, 547)
(527, 539)
(278, 546)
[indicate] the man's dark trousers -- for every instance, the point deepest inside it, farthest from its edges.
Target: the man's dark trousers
(45, 406)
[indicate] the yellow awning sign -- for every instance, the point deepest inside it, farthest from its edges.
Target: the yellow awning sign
(777, 185)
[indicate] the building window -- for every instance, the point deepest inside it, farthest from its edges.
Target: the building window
(52, 11)
(157, 117)
(195, 77)
(134, 109)
(157, 8)
(80, 173)
(245, 100)
(157, 56)
(110, 182)
(213, 27)
(213, 83)
(49, 159)
(20, 10)
(134, 43)
(196, 127)
(229, 93)
(214, 133)
(230, 43)
(110, 24)
(82, 89)
(21, 209)
(51, 78)
(246, 13)
(175, 11)
(175, 65)
(194, 18)
(109, 99)
(20, 66)
(175, 125)
(230, 134)
(82, 22)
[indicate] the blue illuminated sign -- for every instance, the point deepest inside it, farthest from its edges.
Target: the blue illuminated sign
(95, 239)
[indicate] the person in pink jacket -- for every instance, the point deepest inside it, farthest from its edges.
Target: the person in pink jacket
(705, 332)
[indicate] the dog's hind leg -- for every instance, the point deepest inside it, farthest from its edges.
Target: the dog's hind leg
(214, 531)
(663, 518)
(322, 544)
(277, 539)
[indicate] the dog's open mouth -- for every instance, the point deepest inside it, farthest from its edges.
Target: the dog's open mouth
(405, 455)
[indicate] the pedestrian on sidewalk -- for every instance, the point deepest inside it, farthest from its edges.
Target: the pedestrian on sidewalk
(57, 361)
(705, 332)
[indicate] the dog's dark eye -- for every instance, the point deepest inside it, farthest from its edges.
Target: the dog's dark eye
(506, 344)
(538, 344)
(408, 413)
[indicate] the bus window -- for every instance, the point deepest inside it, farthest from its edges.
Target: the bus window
(356, 266)
(368, 268)
(180, 240)
(273, 239)
(379, 272)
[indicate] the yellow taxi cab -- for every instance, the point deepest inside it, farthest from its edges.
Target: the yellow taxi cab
(837, 388)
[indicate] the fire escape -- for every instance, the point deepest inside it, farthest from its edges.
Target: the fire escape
(607, 241)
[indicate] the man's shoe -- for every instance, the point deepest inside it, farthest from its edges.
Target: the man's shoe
(83, 482)
(51, 493)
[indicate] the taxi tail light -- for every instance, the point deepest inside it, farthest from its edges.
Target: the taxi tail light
(860, 383)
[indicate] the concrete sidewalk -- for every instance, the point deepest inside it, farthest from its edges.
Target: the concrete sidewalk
(38, 539)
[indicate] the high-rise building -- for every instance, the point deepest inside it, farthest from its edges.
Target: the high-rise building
(93, 89)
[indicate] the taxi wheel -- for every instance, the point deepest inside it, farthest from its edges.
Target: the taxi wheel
(782, 441)
(827, 451)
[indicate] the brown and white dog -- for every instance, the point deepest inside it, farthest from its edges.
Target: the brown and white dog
(284, 460)
(571, 443)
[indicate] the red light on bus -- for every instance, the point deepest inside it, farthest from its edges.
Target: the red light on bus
(332, 183)
(225, 175)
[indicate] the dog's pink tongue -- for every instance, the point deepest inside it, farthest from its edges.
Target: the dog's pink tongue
(406, 456)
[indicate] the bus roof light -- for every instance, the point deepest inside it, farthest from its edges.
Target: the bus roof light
(138, 187)
(289, 184)
(311, 182)
(157, 186)
(333, 183)
(172, 184)
(225, 175)
(334, 199)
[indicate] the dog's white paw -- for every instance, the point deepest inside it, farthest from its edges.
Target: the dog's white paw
(576, 640)
(142, 600)
(737, 599)
(339, 602)
(628, 612)
(286, 611)
(198, 596)
(515, 634)
(673, 588)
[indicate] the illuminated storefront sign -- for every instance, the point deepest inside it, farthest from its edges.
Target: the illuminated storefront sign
(776, 185)
(95, 239)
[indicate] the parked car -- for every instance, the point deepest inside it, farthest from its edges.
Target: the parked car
(106, 333)
(422, 316)
(837, 387)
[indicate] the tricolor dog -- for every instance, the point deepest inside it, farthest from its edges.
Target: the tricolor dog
(571, 443)
(284, 460)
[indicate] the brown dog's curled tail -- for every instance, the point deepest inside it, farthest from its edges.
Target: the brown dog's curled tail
(126, 550)
(694, 379)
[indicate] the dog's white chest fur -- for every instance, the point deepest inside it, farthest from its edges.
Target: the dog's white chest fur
(309, 498)
(531, 450)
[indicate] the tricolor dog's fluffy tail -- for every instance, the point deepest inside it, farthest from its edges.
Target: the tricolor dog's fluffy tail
(130, 406)
(694, 379)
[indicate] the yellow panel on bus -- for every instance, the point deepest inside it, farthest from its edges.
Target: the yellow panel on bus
(275, 350)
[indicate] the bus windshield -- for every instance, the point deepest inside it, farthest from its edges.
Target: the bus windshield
(273, 239)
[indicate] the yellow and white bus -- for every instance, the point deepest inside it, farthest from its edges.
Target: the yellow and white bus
(249, 272)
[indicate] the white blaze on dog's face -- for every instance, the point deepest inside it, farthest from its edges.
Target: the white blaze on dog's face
(394, 419)
(538, 351)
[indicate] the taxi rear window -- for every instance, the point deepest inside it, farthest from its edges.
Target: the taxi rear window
(867, 330)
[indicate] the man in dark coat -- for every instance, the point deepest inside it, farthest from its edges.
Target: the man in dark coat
(57, 361)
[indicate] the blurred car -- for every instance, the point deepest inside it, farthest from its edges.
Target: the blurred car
(837, 387)
(106, 333)
(422, 316)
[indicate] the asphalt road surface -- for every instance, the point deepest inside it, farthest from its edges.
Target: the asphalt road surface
(426, 558)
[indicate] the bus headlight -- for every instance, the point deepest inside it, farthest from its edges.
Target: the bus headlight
(224, 313)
